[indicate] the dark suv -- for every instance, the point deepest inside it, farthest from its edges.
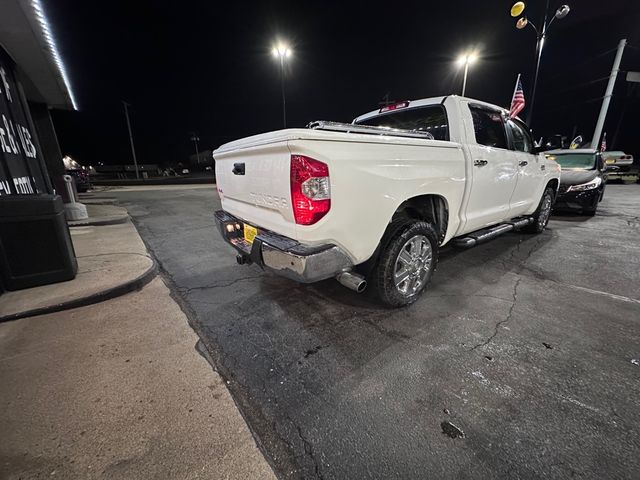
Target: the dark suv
(81, 178)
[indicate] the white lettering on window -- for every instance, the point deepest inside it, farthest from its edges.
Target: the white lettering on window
(7, 92)
(8, 130)
(25, 139)
(23, 185)
(30, 148)
(3, 143)
(5, 187)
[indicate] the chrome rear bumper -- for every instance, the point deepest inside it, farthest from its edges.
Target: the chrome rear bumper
(282, 255)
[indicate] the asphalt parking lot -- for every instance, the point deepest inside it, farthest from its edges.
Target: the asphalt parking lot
(528, 344)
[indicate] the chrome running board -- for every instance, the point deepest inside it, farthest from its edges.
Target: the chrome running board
(480, 236)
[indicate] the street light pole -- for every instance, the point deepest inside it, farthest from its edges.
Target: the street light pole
(464, 80)
(284, 102)
(466, 60)
(541, 35)
(282, 52)
(133, 150)
(539, 46)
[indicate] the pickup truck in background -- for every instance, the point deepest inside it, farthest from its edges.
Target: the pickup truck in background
(373, 201)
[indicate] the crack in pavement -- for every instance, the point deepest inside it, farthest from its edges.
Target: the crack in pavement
(512, 260)
(187, 291)
(308, 450)
(507, 318)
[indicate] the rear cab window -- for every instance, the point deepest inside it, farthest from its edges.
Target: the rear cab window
(430, 118)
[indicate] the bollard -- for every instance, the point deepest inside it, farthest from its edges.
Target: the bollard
(73, 210)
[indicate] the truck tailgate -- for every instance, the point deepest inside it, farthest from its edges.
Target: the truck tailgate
(253, 183)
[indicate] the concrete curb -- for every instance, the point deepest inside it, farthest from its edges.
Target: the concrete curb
(109, 293)
(98, 222)
(99, 201)
(157, 181)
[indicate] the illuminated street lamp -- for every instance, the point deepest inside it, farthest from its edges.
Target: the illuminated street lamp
(541, 34)
(282, 52)
(466, 60)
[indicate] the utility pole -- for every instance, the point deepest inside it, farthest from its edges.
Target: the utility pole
(195, 139)
(133, 150)
(608, 94)
(386, 101)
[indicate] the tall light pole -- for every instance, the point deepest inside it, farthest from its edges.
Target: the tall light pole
(282, 52)
(195, 139)
(133, 150)
(466, 59)
(541, 35)
(608, 94)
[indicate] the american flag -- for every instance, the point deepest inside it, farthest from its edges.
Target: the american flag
(517, 102)
(603, 145)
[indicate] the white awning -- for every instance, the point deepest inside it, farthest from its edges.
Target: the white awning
(26, 35)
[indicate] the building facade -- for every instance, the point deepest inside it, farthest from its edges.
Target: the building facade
(35, 245)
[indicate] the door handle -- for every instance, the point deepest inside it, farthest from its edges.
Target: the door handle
(480, 162)
(238, 169)
(523, 163)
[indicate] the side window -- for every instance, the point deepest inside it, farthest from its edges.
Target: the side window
(489, 127)
(520, 137)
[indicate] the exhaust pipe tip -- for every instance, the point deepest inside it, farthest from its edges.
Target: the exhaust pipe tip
(352, 281)
(242, 259)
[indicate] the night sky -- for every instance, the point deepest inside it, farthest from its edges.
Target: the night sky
(207, 67)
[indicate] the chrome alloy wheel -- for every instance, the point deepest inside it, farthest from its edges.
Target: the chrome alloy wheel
(545, 212)
(412, 265)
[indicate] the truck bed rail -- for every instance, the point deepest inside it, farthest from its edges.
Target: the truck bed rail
(371, 130)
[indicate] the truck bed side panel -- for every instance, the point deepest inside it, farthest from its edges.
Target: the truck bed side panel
(370, 180)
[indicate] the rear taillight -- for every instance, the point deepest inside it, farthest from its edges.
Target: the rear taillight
(310, 189)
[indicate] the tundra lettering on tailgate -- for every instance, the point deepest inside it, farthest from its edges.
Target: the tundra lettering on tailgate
(271, 201)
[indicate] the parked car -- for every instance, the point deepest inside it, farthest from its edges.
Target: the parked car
(582, 179)
(373, 201)
(620, 164)
(81, 177)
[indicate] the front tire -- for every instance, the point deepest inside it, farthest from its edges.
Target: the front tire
(542, 214)
(406, 263)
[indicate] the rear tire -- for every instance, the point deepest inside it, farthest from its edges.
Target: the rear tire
(408, 258)
(542, 214)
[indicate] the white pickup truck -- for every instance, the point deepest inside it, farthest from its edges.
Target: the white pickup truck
(374, 200)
